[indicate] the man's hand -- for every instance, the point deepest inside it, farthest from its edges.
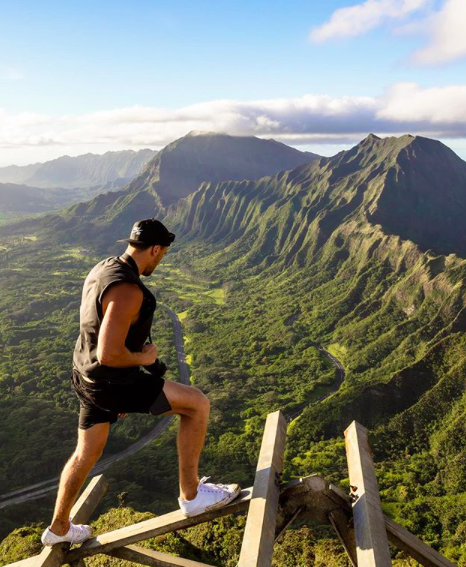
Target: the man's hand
(151, 352)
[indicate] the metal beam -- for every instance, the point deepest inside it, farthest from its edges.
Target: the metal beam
(345, 534)
(259, 533)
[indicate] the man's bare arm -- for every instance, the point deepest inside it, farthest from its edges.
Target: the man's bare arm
(121, 304)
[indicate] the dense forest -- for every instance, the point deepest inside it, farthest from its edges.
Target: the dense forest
(262, 272)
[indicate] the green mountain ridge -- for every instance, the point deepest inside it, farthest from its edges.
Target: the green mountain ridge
(314, 255)
(292, 214)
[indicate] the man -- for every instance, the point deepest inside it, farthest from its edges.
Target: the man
(115, 320)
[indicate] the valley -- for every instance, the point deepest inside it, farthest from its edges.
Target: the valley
(263, 272)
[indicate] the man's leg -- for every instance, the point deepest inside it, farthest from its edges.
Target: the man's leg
(193, 408)
(91, 443)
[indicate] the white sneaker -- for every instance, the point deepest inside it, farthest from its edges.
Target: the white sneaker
(76, 534)
(209, 497)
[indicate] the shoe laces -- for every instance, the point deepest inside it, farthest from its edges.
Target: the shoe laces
(76, 530)
(218, 487)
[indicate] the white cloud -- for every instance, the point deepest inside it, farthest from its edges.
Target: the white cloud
(360, 18)
(447, 30)
(430, 108)
(438, 112)
(444, 28)
(10, 74)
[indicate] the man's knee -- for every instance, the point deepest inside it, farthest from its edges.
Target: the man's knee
(186, 400)
(203, 402)
(198, 403)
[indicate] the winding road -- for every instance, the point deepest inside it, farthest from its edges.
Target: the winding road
(43, 488)
(338, 382)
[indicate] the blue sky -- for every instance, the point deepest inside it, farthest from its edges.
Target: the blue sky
(77, 77)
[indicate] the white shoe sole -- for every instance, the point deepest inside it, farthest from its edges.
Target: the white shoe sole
(219, 504)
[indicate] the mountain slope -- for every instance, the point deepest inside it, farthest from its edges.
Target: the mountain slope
(289, 216)
(17, 174)
(178, 169)
(107, 171)
(24, 199)
(292, 261)
(424, 197)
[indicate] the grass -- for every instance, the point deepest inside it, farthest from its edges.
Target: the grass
(218, 294)
(74, 253)
(337, 350)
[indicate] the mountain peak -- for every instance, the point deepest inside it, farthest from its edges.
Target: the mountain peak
(423, 196)
(202, 156)
(373, 138)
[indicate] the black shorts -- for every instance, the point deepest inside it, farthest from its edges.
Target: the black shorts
(101, 403)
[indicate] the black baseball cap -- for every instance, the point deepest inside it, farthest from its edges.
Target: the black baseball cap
(150, 232)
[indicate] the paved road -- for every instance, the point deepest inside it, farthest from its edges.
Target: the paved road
(43, 488)
(338, 382)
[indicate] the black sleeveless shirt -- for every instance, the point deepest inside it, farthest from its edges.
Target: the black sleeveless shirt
(99, 279)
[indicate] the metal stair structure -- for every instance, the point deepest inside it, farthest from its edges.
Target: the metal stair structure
(358, 520)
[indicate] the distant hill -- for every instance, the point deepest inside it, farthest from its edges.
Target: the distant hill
(18, 174)
(179, 169)
(22, 200)
(176, 171)
(89, 171)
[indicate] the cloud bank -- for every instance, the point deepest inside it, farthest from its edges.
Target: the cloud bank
(438, 112)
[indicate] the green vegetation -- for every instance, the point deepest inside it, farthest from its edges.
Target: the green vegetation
(262, 273)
